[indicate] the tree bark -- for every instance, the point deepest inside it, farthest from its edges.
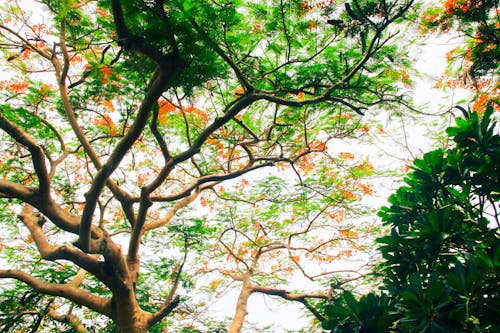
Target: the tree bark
(137, 322)
(129, 317)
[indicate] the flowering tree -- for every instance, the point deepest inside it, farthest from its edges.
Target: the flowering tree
(136, 141)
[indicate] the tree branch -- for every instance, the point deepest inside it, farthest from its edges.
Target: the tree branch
(69, 319)
(36, 151)
(78, 296)
(138, 43)
(172, 300)
(239, 74)
(171, 213)
(301, 298)
(34, 223)
(60, 71)
(137, 232)
(157, 86)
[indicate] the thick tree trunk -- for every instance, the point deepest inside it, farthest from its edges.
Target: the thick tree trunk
(128, 316)
(136, 322)
(241, 306)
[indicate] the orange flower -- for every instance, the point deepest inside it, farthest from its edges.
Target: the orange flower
(449, 5)
(203, 201)
(345, 116)
(317, 145)
(106, 122)
(15, 87)
(480, 103)
(108, 105)
(350, 196)
(367, 189)
(106, 72)
(366, 167)
(190, 109)
(239, 91)
(346, 155)
(165, 108)
(257, 27)
(312, 25)
(25, 55)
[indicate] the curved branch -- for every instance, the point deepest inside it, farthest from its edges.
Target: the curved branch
(34, 223)
(168, 26)
(47, 207)
(289, 295)
(137, 43)
(60, 71)
(64, 153)
(138, 230)
(156, 87)
(228, 249)
(10, 189)
(210, 179)
(171, 213)
(62, 42)
(165, 310)
(153, 126)
(172, 301)
(69, 319)
(78, 296)
(36, 151)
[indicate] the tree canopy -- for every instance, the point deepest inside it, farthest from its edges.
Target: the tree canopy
(156, 153)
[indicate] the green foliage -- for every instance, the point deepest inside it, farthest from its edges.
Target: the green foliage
(22, 309)
(368, 314)
(441, 258)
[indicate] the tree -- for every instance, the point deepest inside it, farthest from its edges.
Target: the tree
(442, 257)
(121, 120)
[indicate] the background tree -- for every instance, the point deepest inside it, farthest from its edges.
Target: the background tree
(121, 119)
(442, 257)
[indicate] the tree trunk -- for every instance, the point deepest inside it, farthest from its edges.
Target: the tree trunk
(129, 317)
(241, 306)
(136, 322)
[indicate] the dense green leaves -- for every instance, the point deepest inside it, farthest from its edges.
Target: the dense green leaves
(369, 314)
